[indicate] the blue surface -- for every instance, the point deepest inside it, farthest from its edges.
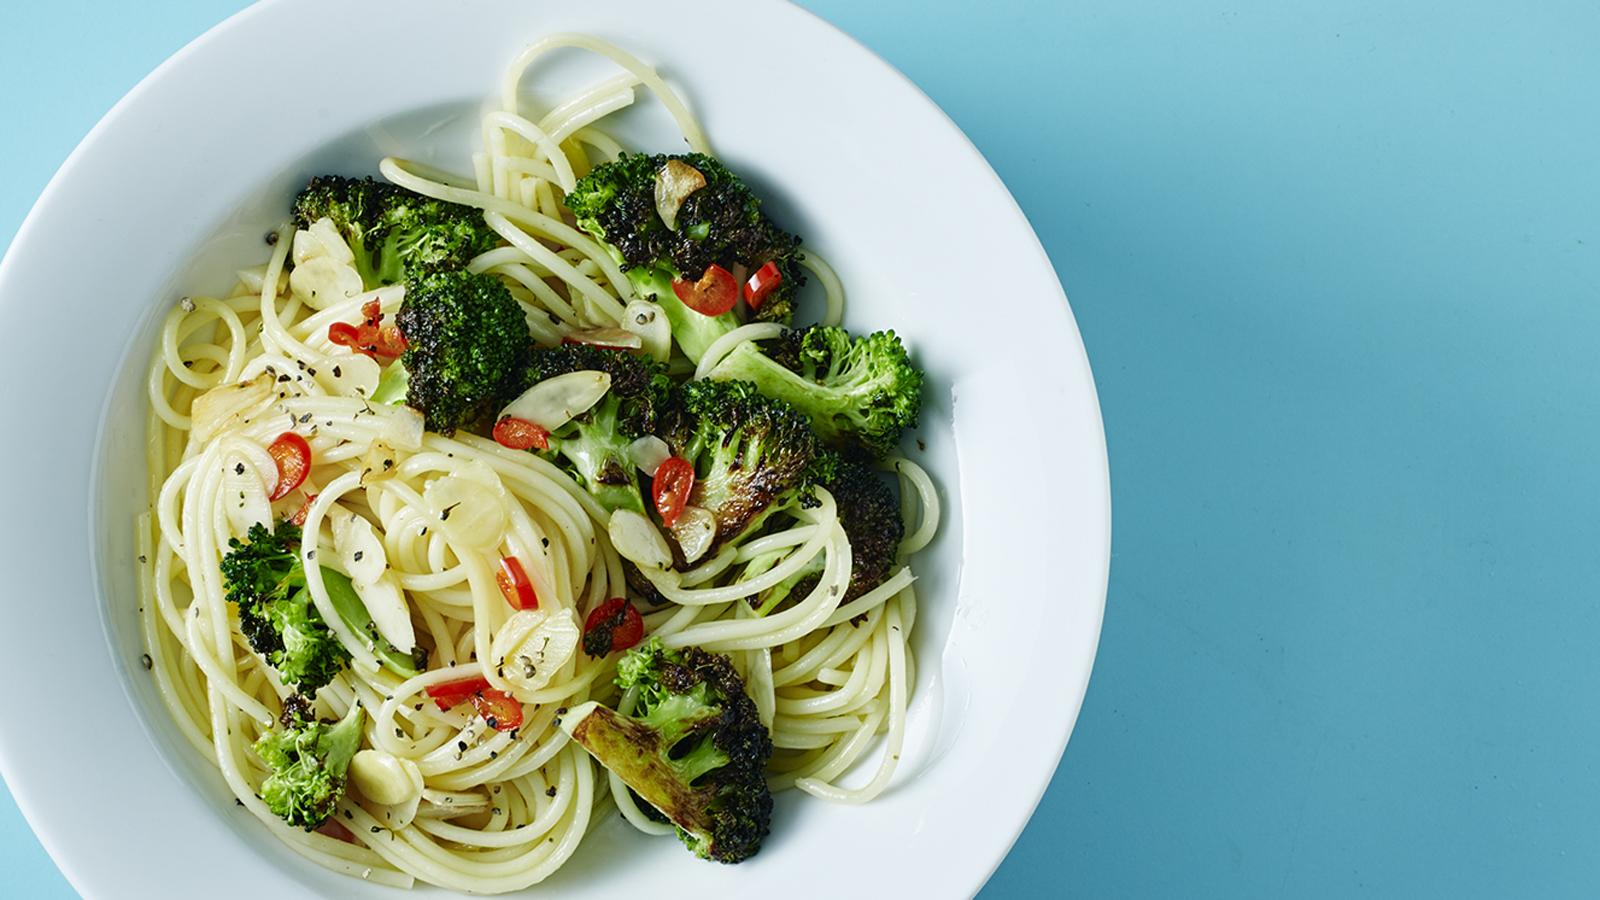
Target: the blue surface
(1338, 269)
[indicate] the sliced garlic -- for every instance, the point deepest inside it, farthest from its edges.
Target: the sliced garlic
(380, 463)
(646, 320)
(350, 374)
(648, 453)
(385, 778)
(386, 603)
(553, 402)
(533, 645)
(360, 549)
(694, 531)
(320, 282)
(638, 541)
(226, 406)
(612, 338)
(403, 426)
(393, 784)
(255, 277)
(244, 495)
(469, 512)
(331, 242)
(674, 183)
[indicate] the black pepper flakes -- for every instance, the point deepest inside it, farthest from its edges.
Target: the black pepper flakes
(462, 746)
(272, 238)
(358, 555)
(238, 469)
(146, 661)
(337, 373)
(550, 791)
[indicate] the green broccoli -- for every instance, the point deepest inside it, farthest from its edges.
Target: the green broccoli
(752, 455)
(694, 747)
(862, 390)
(594, 445)
(264, 578)
(467, 344)
(308, 761)
(394, 232)
(721, 223)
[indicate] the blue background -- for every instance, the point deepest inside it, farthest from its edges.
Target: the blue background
(1338, 269)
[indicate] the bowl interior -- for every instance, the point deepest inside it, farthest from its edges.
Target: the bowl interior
(444, 135)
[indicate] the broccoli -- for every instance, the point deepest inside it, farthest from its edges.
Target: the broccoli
(870, 515)
(393, 232)
(752, 455)
(467, 344)
(595, 443)
(861, 390)
(264, 578)
(720, 223)
(694, 748)
(308, 761)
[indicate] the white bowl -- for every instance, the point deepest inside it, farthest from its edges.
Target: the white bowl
(175, 188)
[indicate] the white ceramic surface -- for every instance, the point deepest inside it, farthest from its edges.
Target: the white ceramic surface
(174, 189)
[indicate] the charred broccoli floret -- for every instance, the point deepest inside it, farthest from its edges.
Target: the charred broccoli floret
(719, 223)
(308, 762)
(594, 445)
(394, 232)
(263, 576)
(751, 454)
(870, 515)
(467, 346)
(694, 747)
(861, 391)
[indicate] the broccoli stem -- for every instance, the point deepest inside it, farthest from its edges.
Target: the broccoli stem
(347, 603)
(639, 755)
(693, 331)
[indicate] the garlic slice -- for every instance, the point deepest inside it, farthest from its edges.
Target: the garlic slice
(385, 778)
(674, 183)
(646, 320)
(553, 402)
(694, 531)
(469, 512)
(227, 405)
(320, 282)
(244, 495)
(638, 541)
(360, 549)
(393, 784)
(648, 453)
(386, 603)
(611, 338)
(533, 645)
